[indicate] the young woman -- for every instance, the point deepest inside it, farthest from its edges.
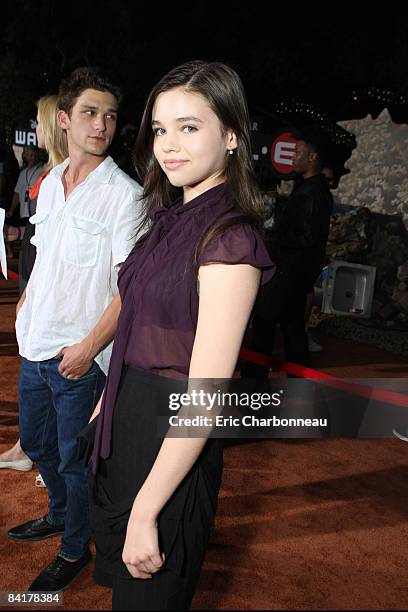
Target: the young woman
(154, 500)
(53, 139)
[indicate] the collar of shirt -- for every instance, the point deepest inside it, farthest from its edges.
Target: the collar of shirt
(101, 174)
(311, 181)
(165, 217)
(178, 208)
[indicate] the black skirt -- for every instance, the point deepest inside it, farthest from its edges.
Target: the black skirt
(186, 522)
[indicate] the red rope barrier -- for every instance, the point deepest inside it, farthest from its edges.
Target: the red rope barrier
(11, 275)
(390, 397)
(374, 393)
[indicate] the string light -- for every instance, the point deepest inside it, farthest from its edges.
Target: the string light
(338, 134)
(384, 96)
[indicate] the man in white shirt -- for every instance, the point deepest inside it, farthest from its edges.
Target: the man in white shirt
(86, 224)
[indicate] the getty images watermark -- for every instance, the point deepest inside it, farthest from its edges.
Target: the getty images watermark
(229, 413)
(281, 408)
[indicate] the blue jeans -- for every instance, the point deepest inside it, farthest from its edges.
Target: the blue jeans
(53, 410)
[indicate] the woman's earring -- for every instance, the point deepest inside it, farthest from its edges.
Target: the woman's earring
(231, 152)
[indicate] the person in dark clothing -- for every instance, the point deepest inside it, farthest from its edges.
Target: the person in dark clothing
(9, 171)
(297, 246)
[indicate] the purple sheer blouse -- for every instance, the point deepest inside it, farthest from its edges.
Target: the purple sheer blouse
(158, 289)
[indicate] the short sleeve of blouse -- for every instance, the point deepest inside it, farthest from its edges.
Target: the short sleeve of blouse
(239, 244)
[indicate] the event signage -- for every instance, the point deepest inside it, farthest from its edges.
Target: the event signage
(282, 153)
(26, 137)
(273, 154)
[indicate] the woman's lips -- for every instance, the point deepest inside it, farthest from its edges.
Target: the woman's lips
(174, 164)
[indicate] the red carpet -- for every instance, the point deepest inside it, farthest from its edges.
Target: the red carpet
(301, 524)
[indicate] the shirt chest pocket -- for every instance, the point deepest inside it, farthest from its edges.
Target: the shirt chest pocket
(82, 244)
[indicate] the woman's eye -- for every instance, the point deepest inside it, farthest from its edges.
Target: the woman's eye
(189, 129)
(158, 131)
(89, 113)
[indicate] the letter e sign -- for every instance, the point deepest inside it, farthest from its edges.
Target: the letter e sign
(282, 152)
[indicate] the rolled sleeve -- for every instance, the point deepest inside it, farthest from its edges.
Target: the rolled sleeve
(39, 222)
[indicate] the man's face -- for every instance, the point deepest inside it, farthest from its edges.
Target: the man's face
(329, 176)
(304, 157)
(92, 123)
(30, 157)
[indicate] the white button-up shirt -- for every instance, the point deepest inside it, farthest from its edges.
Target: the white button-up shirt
(80, 242)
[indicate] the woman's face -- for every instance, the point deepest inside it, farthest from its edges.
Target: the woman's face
(189, 143)
(40, 135)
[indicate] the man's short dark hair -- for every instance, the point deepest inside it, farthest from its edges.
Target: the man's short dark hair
(81, 79)
(317, 139)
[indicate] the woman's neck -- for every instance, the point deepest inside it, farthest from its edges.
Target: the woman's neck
(190, 192)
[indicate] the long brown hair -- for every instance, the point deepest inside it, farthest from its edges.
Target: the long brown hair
(221, 86)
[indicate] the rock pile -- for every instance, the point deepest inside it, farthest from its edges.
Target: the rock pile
(378, 169)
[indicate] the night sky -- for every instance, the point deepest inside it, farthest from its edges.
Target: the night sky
(319, 53)
(337, 60)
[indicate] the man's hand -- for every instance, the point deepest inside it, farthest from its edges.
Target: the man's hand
(76, 360)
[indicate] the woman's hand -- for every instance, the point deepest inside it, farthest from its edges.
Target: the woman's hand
(141, 553)
(95, 412)
(97, 408)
